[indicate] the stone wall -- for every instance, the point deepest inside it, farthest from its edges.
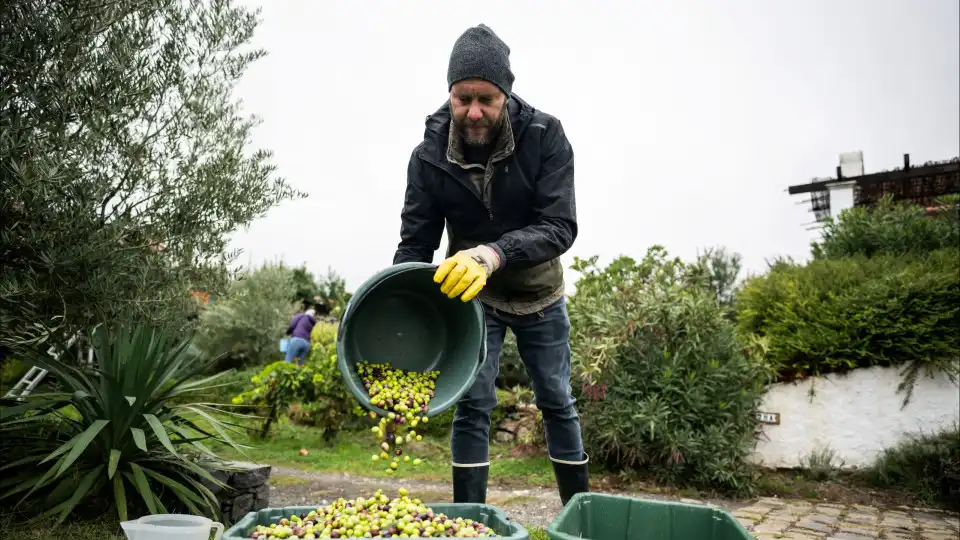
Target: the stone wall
(852, 417)
(521, 425)
(247, 490)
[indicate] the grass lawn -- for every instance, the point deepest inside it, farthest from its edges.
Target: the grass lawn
(90, 530)
(352, 454)
(353, 450)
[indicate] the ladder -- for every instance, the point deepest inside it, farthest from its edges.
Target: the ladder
(35, 374)
(27, 383)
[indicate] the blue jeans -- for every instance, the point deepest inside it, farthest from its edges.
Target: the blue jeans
(543, 340)
(297, 348)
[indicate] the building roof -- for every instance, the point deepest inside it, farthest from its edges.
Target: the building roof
(917, 184)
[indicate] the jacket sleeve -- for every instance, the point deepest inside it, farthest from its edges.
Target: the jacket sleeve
(555, 210)
(293, 324)
(421, 220)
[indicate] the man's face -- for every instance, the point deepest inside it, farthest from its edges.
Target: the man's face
(477, 108)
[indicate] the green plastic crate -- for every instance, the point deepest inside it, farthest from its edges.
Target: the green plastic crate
(490, 516)
(597, 516)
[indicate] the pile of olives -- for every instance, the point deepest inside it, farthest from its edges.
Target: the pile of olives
(374, 517)
(406, 397)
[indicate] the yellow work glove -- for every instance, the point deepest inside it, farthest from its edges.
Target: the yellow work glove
(466, 273)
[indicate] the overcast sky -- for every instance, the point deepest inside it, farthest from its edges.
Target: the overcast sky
(689, 119)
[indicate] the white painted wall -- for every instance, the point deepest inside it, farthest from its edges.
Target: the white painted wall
(841, 193)
(857, 415)
(841, 197)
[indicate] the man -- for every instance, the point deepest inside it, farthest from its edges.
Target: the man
(499, 174)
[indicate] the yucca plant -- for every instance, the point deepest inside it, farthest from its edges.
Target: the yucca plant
(124, 427)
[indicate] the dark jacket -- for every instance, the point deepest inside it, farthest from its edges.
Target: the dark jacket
(531, 217)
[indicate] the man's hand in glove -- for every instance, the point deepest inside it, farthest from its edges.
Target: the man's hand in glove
(466, 272)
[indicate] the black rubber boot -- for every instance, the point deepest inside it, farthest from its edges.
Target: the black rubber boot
(572, 477)
(470, 484)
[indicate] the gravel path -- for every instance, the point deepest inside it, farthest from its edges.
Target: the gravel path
(766, 518)
(530, 506)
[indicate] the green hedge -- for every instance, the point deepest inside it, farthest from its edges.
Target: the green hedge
(836, 315)
(891, 228)
(926, 466)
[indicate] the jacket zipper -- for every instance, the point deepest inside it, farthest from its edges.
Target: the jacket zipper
(490, 204)
(475, 192)
(493, 163)
(470, 186)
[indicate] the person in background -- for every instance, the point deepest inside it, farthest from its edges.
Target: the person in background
(300, 327)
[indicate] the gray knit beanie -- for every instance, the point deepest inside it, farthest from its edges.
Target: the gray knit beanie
(480, 53)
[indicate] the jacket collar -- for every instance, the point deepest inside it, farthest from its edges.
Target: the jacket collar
(436, 135)
(503, 146)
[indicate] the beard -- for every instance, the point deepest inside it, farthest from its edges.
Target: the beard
(480, 132)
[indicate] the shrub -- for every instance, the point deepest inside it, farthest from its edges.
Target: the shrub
(836, 315)
(716, 270)
(927, 466)
(277, 386)
(305, 286)
(323, 340)
(245, 327)
(115, 431)
(512, 371)
(664, 382)
(332, 290)
(226, 386)
(314, 393)
(440, 425)
(821, 464)
(11, 371)
(892, 228)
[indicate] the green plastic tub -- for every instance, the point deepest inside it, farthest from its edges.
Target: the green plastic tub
(597, 516)
(490, 516)
(399, 317)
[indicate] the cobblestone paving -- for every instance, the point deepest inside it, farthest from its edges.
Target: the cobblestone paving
(801, 520)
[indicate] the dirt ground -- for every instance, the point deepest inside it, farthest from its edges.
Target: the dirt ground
(535, 507)
(530, 506)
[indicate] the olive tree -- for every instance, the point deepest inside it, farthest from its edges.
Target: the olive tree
(244, 328)
(125, 161)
